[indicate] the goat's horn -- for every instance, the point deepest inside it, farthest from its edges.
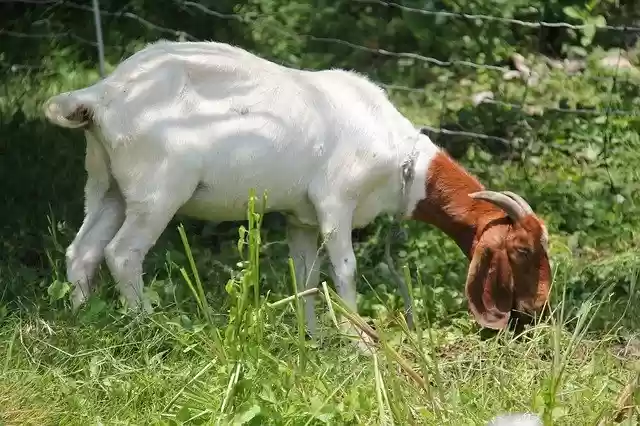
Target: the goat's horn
(521, 201)
(506, 203)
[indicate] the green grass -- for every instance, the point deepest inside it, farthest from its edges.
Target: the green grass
(244, 361)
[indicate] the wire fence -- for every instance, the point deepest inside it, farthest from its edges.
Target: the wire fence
(102, 18)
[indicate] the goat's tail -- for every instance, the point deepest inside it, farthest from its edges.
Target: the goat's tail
(71, 110)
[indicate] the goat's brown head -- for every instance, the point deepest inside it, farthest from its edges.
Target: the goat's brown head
(509, 269)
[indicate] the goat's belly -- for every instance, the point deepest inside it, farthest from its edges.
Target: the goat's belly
(209, 204)
(204, 209)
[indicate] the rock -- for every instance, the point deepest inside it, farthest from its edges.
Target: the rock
(511, 74)
(516, 419)
(616, 61)
(479, 98)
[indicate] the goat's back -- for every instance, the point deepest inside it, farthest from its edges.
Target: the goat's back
(238, 121)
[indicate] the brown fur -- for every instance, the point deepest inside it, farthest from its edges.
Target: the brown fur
(509, 268)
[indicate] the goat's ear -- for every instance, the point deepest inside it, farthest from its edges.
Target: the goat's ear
(489, 287)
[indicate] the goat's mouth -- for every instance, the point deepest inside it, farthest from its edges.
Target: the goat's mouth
(523, 317)
(530, 305)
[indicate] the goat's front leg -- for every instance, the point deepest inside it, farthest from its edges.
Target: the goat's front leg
(335, 221)
(303, 249)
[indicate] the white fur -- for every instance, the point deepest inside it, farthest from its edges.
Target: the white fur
(191, 127)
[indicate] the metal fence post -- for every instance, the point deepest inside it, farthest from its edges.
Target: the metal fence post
(99, 41)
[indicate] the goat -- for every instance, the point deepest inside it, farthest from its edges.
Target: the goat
(191, 127)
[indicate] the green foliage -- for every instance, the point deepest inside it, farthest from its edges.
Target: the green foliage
(173, 367)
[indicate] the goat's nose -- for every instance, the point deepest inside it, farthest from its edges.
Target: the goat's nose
(538, 307)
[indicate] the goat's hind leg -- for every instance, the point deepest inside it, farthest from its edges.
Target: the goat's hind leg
(86, 251)
(104, 209)
(145, 220)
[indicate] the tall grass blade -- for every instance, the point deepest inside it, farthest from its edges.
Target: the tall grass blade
(199, 290)
(299, 309)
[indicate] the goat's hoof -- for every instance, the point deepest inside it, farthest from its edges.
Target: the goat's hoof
(138, 309)
(365, 348)
(363, 343)
(77, 299)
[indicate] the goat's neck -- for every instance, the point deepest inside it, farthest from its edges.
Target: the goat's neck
(446, 203)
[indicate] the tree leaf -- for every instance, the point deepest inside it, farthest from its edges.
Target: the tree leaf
(589, 31)
(246, 416)
(58, 289)
(572, 12)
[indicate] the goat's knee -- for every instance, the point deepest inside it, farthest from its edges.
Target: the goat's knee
(85, 253)
(345, 266)
(81, 267)
(335, 217)
(115, 258)
(344, 271)
(79, 275)
(125, 265)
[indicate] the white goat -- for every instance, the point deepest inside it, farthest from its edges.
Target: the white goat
(191, 127)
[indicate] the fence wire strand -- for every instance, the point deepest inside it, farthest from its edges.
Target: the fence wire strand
(196, 7)
(489, 18)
